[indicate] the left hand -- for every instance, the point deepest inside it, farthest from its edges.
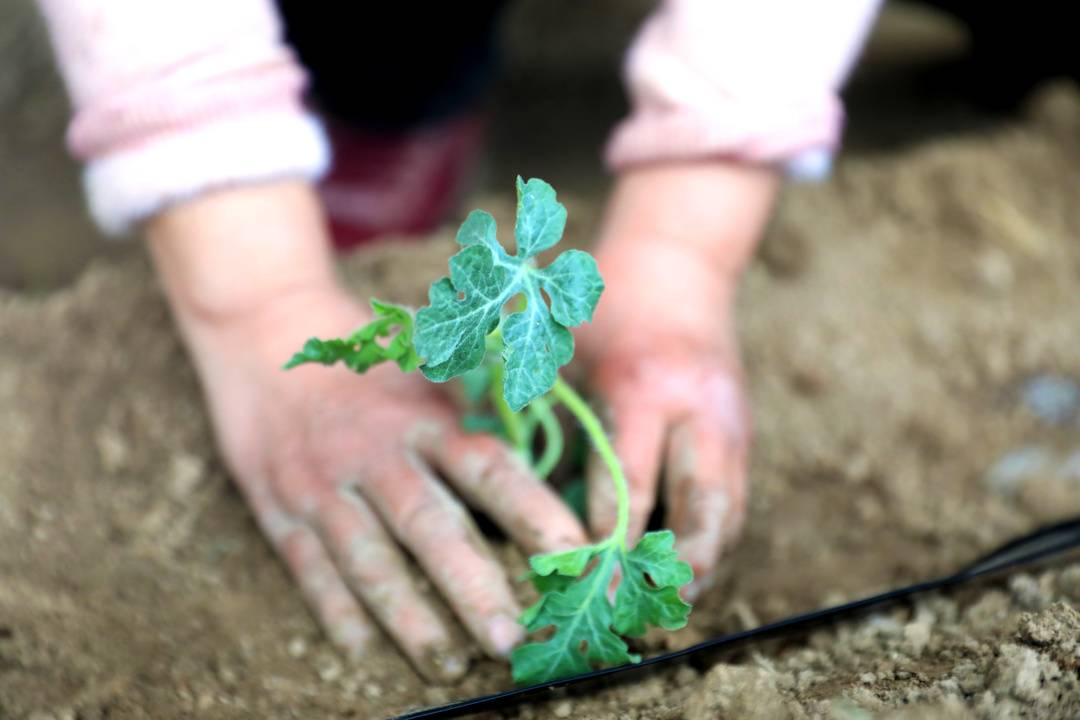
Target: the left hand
(662, 352)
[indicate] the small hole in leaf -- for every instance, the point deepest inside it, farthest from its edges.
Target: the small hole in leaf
(650, 581)
(583, 646)
(461, 295)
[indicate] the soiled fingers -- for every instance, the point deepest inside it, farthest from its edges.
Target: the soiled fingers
(378, 573)
(437, 530)
(705, 493)
(337, 610)
(491, 477)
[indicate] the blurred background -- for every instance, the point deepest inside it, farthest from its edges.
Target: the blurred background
(556, 97)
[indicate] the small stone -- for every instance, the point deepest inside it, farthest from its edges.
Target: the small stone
(204, 701)
(1054, 399)
(372, 691)
(297, 647)
(685, 676)
(113, 450)
(564, 709)
(1015, 467)
(227, 675)
(995, 270)
(917, 634)
(185, 473)
(1027, 593)
(329, 670)
(868, 678)
(1069, 582)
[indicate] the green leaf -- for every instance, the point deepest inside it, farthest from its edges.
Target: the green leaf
(649, 591)
(574, 285)
(573, 587)
(540, 218)
(467, 306)
(536, 347)
(362, 350)
(581, 614)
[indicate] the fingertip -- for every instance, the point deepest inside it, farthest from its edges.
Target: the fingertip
(352, 635)
(504, 634)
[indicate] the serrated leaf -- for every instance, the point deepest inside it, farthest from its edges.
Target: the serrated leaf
(536, 347)
(465, 307)
(588, 627)
(581, 615)
(479, 229)
(648, 593)
(574, 285)
(541, 219)
(567, 562)
(362, 350)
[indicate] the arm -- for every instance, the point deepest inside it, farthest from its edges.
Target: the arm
(726, 97)
(195, 130)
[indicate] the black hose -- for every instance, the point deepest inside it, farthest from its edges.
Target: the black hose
(1037, 546)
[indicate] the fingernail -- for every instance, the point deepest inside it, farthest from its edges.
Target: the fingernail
(504, 634)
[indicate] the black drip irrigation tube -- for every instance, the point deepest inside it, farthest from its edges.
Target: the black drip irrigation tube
(1038, 546)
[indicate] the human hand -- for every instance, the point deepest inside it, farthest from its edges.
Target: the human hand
(663, 356)
(344, 473)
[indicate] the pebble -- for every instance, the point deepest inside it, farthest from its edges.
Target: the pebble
(1027, 593)
(1052, 398)
(372, 691)
(185, 473)
(564, 709)
(995, 270)
(297, 647)
(329, 670)
(1069, 582)
(1015, 467)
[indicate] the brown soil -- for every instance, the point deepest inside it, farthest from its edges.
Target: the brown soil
(888, 324)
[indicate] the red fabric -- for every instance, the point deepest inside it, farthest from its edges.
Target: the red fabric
(398, 184)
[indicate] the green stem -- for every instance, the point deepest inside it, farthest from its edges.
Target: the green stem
(553, 436)
(511, 420)
(595, 430)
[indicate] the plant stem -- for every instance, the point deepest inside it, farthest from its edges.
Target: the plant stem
(595, 430)
(553, 436)
(510, 419)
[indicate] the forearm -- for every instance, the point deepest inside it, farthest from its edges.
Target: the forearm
(231, 253)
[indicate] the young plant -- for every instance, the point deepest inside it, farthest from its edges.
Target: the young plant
(489, 324)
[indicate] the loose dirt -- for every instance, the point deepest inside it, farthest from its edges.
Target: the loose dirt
(905, 328)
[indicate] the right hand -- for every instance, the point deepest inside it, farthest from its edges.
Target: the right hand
(345, 474)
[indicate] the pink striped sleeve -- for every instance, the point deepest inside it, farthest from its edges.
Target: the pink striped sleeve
(754, 81)
(173, 98)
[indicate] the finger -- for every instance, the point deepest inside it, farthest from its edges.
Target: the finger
(704, 492)
(378, 573)
(337, 610)
(638, 436)
(495, 479)
(439, 533)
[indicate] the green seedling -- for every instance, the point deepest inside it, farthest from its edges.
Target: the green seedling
(490, 325)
